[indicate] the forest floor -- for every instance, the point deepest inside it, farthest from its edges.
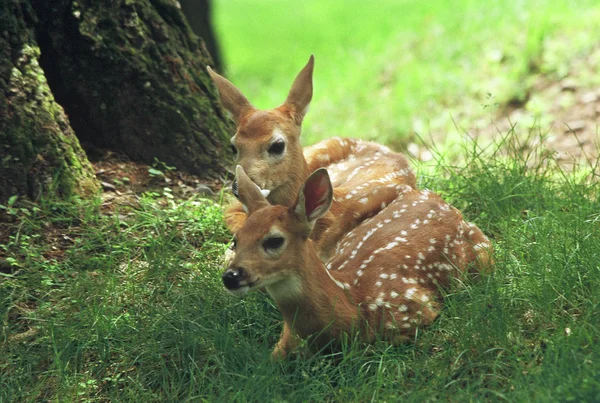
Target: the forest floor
(561, 115)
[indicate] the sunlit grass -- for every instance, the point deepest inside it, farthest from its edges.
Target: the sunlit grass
(387, 69)
(135, 310)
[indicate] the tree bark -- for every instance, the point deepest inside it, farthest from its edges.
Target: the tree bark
(198, 14)
(132, 76)
(38, 149)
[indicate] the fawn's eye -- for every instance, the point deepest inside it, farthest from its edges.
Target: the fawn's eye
(277, 147)
(273, 243)
(233, 150)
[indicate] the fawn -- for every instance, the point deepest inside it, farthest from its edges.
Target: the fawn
(267, 146)
(383, 279)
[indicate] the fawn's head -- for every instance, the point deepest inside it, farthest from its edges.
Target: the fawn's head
(267, 143)
(271, 247)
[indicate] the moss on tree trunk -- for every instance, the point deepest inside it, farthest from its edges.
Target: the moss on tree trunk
(38, 149)
(131, 76)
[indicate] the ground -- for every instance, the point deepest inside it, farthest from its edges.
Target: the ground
(123, 182)
(123, 179)
(563, 113)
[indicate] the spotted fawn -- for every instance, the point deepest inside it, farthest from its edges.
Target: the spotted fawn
(383, 281)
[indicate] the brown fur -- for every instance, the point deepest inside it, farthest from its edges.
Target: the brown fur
(383, 279)
(351, 162)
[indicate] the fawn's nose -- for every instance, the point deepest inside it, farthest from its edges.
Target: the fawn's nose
(232, 278)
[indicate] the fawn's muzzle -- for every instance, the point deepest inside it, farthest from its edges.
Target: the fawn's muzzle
(235, 191)
(234, 278)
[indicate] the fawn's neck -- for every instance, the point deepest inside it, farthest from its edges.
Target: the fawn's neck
(313, 301)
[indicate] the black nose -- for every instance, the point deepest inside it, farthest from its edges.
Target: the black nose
(232, 278)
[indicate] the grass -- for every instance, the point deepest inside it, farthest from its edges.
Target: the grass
(134, 309)
(128, 305)
(387, 69)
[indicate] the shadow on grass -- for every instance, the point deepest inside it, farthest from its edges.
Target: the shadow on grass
(132, 308)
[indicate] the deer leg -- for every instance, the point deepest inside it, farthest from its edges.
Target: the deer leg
(481, 248)
(286, 344)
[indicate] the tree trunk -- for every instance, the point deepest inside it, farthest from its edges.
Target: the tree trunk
(132, 76)
(38, 149)
(198, 14)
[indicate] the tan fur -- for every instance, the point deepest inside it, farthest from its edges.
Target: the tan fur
(350, 162)
(383, 280)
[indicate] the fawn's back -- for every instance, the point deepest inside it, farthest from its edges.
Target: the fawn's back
(396, 262)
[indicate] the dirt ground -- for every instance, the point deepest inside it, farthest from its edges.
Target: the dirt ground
(562, 114)
(124, 180)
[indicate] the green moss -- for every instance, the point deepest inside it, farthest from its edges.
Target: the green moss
(132, 76)
(43, 153)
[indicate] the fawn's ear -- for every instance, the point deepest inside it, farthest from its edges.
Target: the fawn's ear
(315, 197)
(302, 90)
(249, 193)
(231, 98)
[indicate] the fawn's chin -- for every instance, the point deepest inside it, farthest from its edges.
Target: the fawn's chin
(244, 289)
(240, 292)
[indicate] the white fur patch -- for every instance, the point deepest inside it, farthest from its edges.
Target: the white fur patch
(240, 292)
(285, 290)
(338, 283)
(277, 135)
(228, 257)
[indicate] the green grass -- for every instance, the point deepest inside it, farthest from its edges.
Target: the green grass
(387, 69)
(135, 311)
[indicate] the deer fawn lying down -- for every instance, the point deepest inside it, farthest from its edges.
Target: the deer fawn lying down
(267, 146)
(383, 279)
